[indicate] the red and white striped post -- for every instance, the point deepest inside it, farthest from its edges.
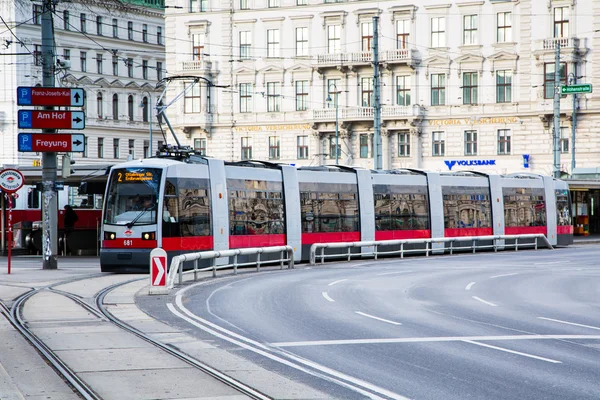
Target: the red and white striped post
(158, 272)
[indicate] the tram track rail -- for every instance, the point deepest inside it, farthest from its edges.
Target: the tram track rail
(15, 316)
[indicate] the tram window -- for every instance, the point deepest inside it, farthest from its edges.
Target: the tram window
(33, 198)
(186, 210)
(466, 207)
(255, 207)
(329, 207)
(563, 208)
(401, 207)
(524, 207)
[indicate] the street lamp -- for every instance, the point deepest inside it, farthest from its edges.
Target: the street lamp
(337, 135)
(149, 104)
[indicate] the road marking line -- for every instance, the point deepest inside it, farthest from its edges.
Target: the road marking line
(393, 273)
(469, 286)
(336, 282)
(513, 352)
(377, 318)
(327, 297)
(548, 263)
(485, 302)
(500, 276)
(435, 340)
(570, 323)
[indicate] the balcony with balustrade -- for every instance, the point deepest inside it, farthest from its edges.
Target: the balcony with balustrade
(195, 66)
(572, 49)
(358, 114)
(364, 58)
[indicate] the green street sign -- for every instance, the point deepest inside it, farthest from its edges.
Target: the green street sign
(573, 89)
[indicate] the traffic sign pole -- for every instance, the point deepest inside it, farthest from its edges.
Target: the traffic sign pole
(11, 180)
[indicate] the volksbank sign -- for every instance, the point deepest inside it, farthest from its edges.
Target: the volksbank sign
(468, 163)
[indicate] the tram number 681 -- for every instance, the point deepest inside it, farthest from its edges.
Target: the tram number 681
(127, 242)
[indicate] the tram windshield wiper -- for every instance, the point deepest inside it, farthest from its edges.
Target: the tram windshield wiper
(133, 221)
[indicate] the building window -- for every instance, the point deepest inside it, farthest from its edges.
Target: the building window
(246, 148)
(197, 46)
(503, 141)
(145, 33)
(159, 71)
(193, 5)
(470, 88)
(470, 143)
(470, 29)
(200, 146)
(366, 34)
(115, 28)
(100, 147)
(192, 99)
(37, 14)
(402, 33)
(438, 89)
(366, 88)
(274, 148)
(130, 108)
(245, 44)
(99, 25)
(85, 147)
(83, 23)
(273, 96)
(332, 146)
(115, 107)
(145, 69)
(83, 60)
(549, 69)
(130, 67)
(116, 152)
(403, 144)
(273, 43)
(244, 5)
(99, 105)
(503, 86)
(37, 55)
(302, 147)
(301, 2)
(115, 65)
(333, 92)
(203, 5)
(131, 151)
(245, 97)
(564, 139)
(159, 38)
(146, 148)
(99, 63)
(130, 30)
(302, 41)
(66, 54)
(403, 90)
(145, 109)
(301, 95)
(438, 32)
(334, 45)
(364, 145)
(439, 143)
(504, 21)
(66, 22)
(561, 22)
(273, 3)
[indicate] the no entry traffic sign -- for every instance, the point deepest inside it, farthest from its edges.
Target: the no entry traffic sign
(44, 142)
(29, 119)
(41, 96)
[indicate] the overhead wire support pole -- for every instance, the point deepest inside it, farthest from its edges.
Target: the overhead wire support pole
(49, 197)
(377, 97)
(556, 133)
(574, 125)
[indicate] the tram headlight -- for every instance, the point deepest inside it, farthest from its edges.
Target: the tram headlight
(109, 235)
(149, 236)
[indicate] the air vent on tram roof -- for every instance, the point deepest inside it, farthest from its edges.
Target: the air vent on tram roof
(522, 175)
(254, 164)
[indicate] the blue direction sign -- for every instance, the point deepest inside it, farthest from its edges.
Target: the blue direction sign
(33, 119)
(49, 142)
(41, 96)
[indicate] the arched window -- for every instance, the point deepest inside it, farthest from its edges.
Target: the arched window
(99, 105)
(115, 106)
(130, 107)
(145, 109)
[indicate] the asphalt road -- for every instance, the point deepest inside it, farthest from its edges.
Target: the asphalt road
(512, 325)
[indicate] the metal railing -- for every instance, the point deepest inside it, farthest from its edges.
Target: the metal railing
(428, 246)
(176, 268)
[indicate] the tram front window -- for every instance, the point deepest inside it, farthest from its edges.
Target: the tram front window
(133, 196)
